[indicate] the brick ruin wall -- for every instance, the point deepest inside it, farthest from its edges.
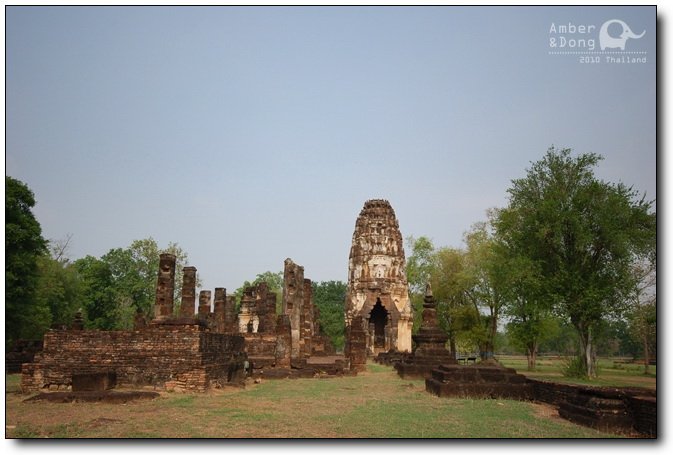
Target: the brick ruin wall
(620, 410)
(602, 408)
(183, 356)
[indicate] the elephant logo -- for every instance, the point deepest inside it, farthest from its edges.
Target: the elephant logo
(611, 42)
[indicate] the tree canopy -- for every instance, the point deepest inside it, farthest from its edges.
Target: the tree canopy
(583, 234)
(24, 246)
(330, 297)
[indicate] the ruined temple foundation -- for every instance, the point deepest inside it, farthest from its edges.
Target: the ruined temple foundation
(487, 379)
(171, 356)
(213, 347)
(430, 341)
(377, 283)
(288, 345)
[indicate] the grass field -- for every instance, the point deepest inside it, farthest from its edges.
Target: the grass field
(610, 372)
(374, 404)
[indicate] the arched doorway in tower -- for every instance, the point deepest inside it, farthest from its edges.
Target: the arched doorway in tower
(378, 317)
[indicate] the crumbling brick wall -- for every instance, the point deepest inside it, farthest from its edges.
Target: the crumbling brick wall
(185, 355)
(603, 408)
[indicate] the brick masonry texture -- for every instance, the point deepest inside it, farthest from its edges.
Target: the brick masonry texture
(173, 356)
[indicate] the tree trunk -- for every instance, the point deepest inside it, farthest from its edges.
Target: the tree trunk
(493, 329)
(531, 355)
(646, 353)
(586, 351)
(484, 351)
(452, 345)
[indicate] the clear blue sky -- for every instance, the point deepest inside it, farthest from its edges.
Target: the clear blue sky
(248, 135)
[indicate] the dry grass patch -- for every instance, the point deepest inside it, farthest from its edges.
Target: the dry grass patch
(375, 404)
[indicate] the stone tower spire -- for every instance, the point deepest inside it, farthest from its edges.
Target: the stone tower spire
(377, 281)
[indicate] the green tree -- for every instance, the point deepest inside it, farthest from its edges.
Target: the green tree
(643, 312)
(419, 266)
(59, 287)
(123, 282)
(99, 293)
(24, 245)
(329, 297)
(583, 234)
(419, 263)
(448, 279)
(529, 313)
(487, 282)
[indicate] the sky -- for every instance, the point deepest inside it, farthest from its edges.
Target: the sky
(251, 134)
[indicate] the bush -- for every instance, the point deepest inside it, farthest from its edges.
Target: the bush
(572, 367)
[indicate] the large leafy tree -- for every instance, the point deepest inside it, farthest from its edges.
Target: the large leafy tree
(59, 287)
(449, 284)
(24, 245)
(329, 297)
(99, 293)
(529, 313)
(419, 268)
(642, 315)
(583, 234)
(487, 283)
(123, 282)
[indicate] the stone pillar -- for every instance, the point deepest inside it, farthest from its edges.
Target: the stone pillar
(306, 320)
(267, 318)
(220, 309)
(188, 292)
(293, 298)
(283, 341)
(356, 344)
(204, 305)
(163, 305)
(230, 314)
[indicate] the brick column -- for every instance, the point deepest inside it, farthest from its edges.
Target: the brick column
(204, 305)
(283, 341)
(230, 323)
(188, 292)
(307, 319)
(220, 309)
(163, 305)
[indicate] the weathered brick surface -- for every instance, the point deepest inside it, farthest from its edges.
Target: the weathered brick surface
(293, 299)
(643, 410)
(188, 298)
(230, 317)
(483, 381)
(602, 408)
(430, 341)
(204, 305)
(306, 321)
(91, 382)
(163, 305)
(283, 341)
(391, 357)
(170, 355)
(219, 309)
(356, 345)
